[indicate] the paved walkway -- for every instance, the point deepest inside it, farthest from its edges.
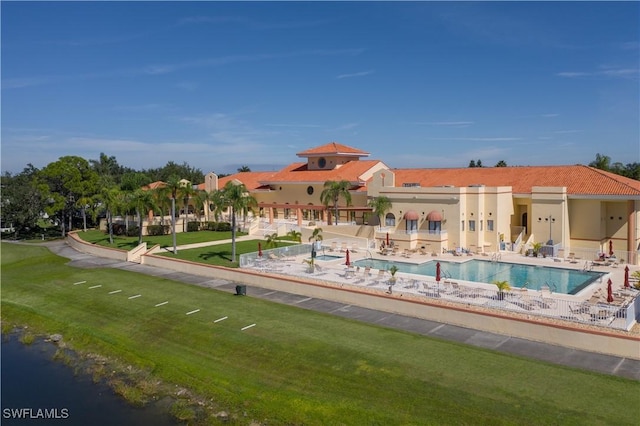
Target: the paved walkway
(606, 364)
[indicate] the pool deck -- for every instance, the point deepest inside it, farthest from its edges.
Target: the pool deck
(529, 302)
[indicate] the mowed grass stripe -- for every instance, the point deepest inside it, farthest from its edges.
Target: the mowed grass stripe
(298, 366)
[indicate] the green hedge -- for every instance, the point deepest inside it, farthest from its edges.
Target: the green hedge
(217, 226)
(155, 230)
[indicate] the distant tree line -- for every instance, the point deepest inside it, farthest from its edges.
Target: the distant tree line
(602, 162)
(630, 170)
(74, 193)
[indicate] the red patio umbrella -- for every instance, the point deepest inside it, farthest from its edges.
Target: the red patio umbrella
(347, 262)
(438, 272)
(259, 250)
(609, 291)
(610, 248)
(387, 239)
(626, 277)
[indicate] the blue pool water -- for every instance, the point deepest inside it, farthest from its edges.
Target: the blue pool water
(327, 257)
(560, 280)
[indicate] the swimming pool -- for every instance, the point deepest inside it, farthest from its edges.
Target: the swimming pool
(327, 257)
(559, 280)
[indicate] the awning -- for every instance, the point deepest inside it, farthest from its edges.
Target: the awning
(434, 216)
(411, 215)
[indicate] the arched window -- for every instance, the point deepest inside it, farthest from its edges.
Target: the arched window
(435, 222)
(390, 220)
(412, 222)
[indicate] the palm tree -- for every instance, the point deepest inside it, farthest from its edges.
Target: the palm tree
(142, 201)
(186, 192)
(331, 195)
(602, 162)
(162, 201)
(216, 199)
(316, 234)
(295, 235)
(272, 240)
(173, 185)
(380, 205)
(109, 198)
(237, 197)
(502, 287)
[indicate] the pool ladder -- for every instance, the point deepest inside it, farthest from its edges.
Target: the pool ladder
(496, 256)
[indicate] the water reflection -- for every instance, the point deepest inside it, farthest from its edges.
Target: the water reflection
(42, 391)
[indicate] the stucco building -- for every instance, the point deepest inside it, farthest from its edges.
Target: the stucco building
(486, 209)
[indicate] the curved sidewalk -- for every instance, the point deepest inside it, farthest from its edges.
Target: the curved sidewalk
(606, 364)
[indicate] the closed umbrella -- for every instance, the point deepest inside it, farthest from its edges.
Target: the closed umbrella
(347, 262)
(387, 239)
(626, 277)
(259, 250)
(610, 248)
(609, 291)
(438, 272)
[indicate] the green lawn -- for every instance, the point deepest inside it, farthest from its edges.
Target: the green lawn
(127, 243)
(219, 255)
(296, 366)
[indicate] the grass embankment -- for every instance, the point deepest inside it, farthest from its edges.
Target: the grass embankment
(296, 366)
(219, 254)
(182, 238)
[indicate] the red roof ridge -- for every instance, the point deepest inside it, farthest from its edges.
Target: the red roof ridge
(332, 148)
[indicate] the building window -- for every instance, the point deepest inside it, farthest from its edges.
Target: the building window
(310, 190)
(462, 225)
(322, 162)
(390, 220)
(481, 223)
(434, 227)
(490, 225)
(472, 225)
(412, 226)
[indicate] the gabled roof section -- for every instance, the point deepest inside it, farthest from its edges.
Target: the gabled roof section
(298, 173)
(154, 185)
(578, 179)
(333, 148)
(250, 179)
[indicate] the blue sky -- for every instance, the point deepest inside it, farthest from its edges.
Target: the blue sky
(418, 84)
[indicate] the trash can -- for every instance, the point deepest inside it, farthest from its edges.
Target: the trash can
(241, 290)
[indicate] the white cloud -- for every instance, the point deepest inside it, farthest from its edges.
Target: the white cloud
(449, 123)
(355, 74)
(479, 139)
(564, 132)
(293, 125)
(347, 126)
(611, 72)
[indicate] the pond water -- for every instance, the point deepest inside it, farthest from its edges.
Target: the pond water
(38, 390)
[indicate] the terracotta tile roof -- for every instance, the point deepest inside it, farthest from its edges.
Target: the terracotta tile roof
(297, 172)
(154, 185)
(579, 179)
(332, 148)
(250, 179)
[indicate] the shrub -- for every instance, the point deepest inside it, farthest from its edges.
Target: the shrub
(155, 230)
(217, 226)
(133, 231)
(118, 229)
(224, 227)
(193, 226)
